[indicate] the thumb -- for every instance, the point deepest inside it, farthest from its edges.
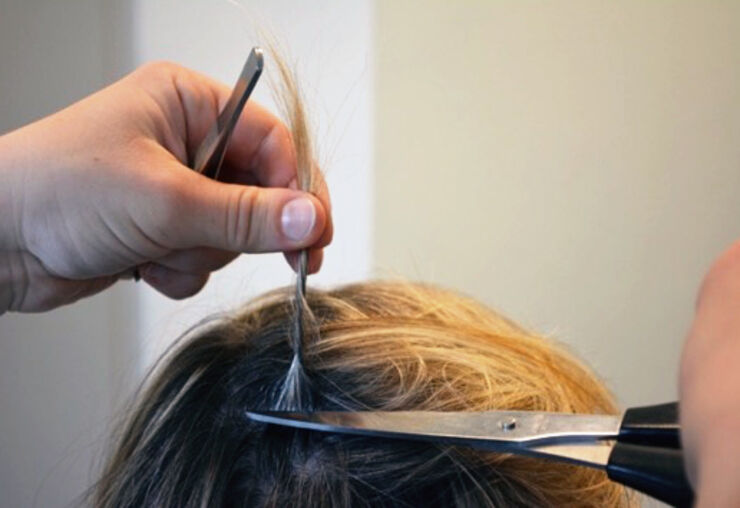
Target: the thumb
(242, 218)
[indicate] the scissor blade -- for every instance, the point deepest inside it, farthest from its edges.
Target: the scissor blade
(492, 430)
(211, 151)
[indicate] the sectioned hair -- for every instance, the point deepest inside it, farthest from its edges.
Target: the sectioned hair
(296, 391)
(382, 346)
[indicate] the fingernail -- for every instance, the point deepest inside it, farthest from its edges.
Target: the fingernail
(299, 217)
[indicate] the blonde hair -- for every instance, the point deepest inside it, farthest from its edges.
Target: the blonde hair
(381, 346)
(296, 393)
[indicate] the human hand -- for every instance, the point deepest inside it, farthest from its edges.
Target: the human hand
(710, 387)
(101, 187)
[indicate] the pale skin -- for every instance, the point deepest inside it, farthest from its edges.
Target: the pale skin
(710, 386)
(100, 188)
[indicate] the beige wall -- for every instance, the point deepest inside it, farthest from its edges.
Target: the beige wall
(574, 164)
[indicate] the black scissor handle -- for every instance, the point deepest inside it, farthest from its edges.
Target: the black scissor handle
(652, 425)
(648, 456)
(657, 472)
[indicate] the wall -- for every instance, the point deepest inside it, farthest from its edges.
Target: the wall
(574, 164)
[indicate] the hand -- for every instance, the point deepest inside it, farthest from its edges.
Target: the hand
(710, 387)
(101, 187)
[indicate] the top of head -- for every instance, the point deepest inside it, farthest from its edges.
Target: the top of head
(386, 346)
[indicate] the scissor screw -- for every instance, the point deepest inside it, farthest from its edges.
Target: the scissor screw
(508, 424)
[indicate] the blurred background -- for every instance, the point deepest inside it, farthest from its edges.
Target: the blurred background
(575, 165)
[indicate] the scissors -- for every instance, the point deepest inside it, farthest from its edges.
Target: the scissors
(209, 156)
(640, 449)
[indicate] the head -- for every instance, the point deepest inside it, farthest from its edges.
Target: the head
(377, 346)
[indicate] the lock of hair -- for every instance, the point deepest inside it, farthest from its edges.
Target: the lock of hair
(295, 394)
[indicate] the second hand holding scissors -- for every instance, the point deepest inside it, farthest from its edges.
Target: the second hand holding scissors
(640, 449)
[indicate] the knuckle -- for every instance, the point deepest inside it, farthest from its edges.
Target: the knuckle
(240, 222)
(278, 138)
(282, 133)
(172, 199)
(170, 203)
(158, 68)
(187, 286)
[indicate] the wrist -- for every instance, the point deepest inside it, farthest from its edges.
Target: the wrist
(10, 174)
(6, 284)
(9, 232)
